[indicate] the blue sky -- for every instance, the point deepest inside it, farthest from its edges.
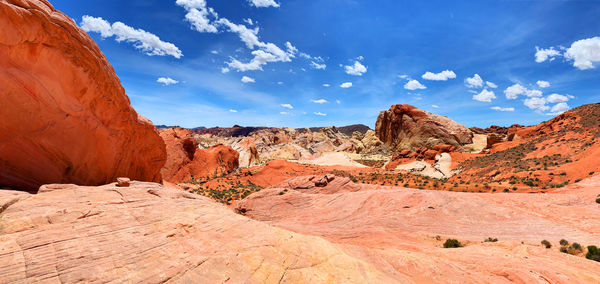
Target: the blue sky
(290, 71)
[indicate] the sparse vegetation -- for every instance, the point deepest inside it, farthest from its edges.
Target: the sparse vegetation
(563, 242)
(593, 253)
(490, 240)
(452, 243)
(546, 244)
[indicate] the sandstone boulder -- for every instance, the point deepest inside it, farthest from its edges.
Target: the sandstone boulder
(65, 116)
(405, 126)
(186, 161)
(248, 152)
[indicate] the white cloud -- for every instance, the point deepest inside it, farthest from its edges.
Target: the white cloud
(503, 108)
(326, 85)
(214, 52)
(559, 108)
(404, 76)
(474, 82)
(414, 85)
(485, 96)
(435, 106)
(557, 98)
(284, 113)
(515, 90)
(536, 104)
(287, 106)
(246, 79)
(543, 84)
(167, 81)
(320, 113)
(150, 44)
(280, 83)
(491, 85)
(319, 101)
(542, 55)
(338, 102)
(225, 70)
(249, 21)
(318, 66)
(442, 76)
(584, 53)
(357, 69)
(233, 110)
(264, 3)
(360, 58)
(346, 85)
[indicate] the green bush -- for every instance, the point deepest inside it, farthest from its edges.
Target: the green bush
(563, 242)
(490, 240)
(452, 243)
(547, 244)
(576, 246)
(593, 253)
(598, 200)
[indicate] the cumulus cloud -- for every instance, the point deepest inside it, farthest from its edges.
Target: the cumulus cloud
(320, 113)
(287, 106)
(503, 108)
(536, 104)
(559, 108)
(542, 55)
(357, 69)
(346, 85)
(225, 70)
(326, 85)
(148, 43)
(205, 19)
(249, 22)
(543, 84)
(491, 85)
(317, 65)
(584, 53)
(264, 3)
(442, 76)
(515, 90)
(246, 79)
(414, 85)
(557, 98)
(485, 96)
(167, 81)
(233, 110)
(319, 101)
(474, 82)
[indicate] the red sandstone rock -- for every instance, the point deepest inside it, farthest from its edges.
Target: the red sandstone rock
(405, 126)
(65, 116)
(185, 161)
(123, 182)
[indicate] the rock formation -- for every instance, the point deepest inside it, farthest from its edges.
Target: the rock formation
(65, 116)
(186, 161)
(147, 233)
(405, 127)
(401, 231)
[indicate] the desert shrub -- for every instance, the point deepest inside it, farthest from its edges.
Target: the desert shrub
(576, 246)
(490, 240)
(598, 200)
(452, 243)
(546, 244)
(563, 250)
(593, 253)
(563, 242)
(505, 190)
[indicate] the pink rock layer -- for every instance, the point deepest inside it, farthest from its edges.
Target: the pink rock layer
(65, 116)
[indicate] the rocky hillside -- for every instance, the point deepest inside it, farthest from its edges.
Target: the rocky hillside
(65, 116)
(552, 154)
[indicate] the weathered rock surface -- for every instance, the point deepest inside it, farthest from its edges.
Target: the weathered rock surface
(186, 161)
(405, 127)
(65, 116)
(152, 234)
(401, 231)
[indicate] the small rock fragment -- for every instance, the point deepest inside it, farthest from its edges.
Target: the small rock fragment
(123, 182)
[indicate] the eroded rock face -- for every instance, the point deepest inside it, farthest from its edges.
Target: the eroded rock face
(186, 161)
(147, 233)
(405, 127)
(65, 116)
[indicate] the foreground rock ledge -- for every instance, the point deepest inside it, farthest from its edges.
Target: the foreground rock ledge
(150, 233)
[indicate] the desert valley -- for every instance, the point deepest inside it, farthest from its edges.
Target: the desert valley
(91, 191)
